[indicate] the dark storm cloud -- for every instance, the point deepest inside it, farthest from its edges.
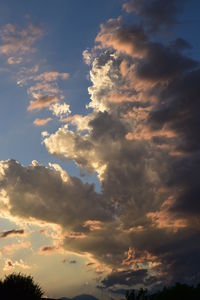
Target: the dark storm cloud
(187, 181)
(156, 13)
(178, 108)
(128, 278)
(163, 63)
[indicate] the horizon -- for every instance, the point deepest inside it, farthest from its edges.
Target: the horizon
(99, 156)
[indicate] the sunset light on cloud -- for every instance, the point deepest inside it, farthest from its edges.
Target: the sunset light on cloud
(99, 157)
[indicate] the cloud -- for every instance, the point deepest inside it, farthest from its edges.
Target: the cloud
(45, 91)
(10, 265)
(87, 57)
(48, 249)
(51, 76)
(17, 45)
(78, 202)
(60, 110)
(11, 233)
(12, 60)
(155, 13)
(130, 40)
(10, 249)
(41, 102)
(133, 41)
(16, 42)
(41, 122)
(128, 278)
(141, 140)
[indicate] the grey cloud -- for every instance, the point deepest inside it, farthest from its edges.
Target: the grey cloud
(156, 13)
(128, 278)
(163, 63)
(178, 109)
(39, 192)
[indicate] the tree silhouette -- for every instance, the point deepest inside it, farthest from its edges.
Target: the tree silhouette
(131, 295)
(20, 287)
(140, 295)
(177, 292)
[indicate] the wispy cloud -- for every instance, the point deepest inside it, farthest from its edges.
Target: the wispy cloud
(42, 122)
(11, 233)
(17, 46)
(16, 42)
(41, 102)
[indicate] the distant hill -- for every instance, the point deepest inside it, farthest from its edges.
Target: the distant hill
(84, 297)
(79, 297)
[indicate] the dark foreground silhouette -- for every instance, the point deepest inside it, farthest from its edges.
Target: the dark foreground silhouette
(23, 287)
(177, 292)
(19, 287)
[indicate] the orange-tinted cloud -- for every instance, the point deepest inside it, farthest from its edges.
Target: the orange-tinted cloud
(42, 102)
(41, 122)
(16, 41)
(51, 76)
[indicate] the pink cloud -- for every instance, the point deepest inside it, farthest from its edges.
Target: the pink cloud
(41, 122)
(42, 102)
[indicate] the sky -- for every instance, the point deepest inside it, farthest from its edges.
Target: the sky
(99, 144)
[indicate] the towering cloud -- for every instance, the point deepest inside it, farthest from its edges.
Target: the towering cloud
(141, 138)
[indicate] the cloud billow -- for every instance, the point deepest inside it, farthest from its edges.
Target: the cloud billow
(155, 13)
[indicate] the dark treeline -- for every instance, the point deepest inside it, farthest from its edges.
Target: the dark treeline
(22, 287)
(177, 292)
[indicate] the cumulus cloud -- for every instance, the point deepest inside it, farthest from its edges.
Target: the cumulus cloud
(60, 110)
(78, 202)
(141, 140)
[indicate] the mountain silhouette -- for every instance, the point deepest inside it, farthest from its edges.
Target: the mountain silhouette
(84, 297)
(80, 297)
